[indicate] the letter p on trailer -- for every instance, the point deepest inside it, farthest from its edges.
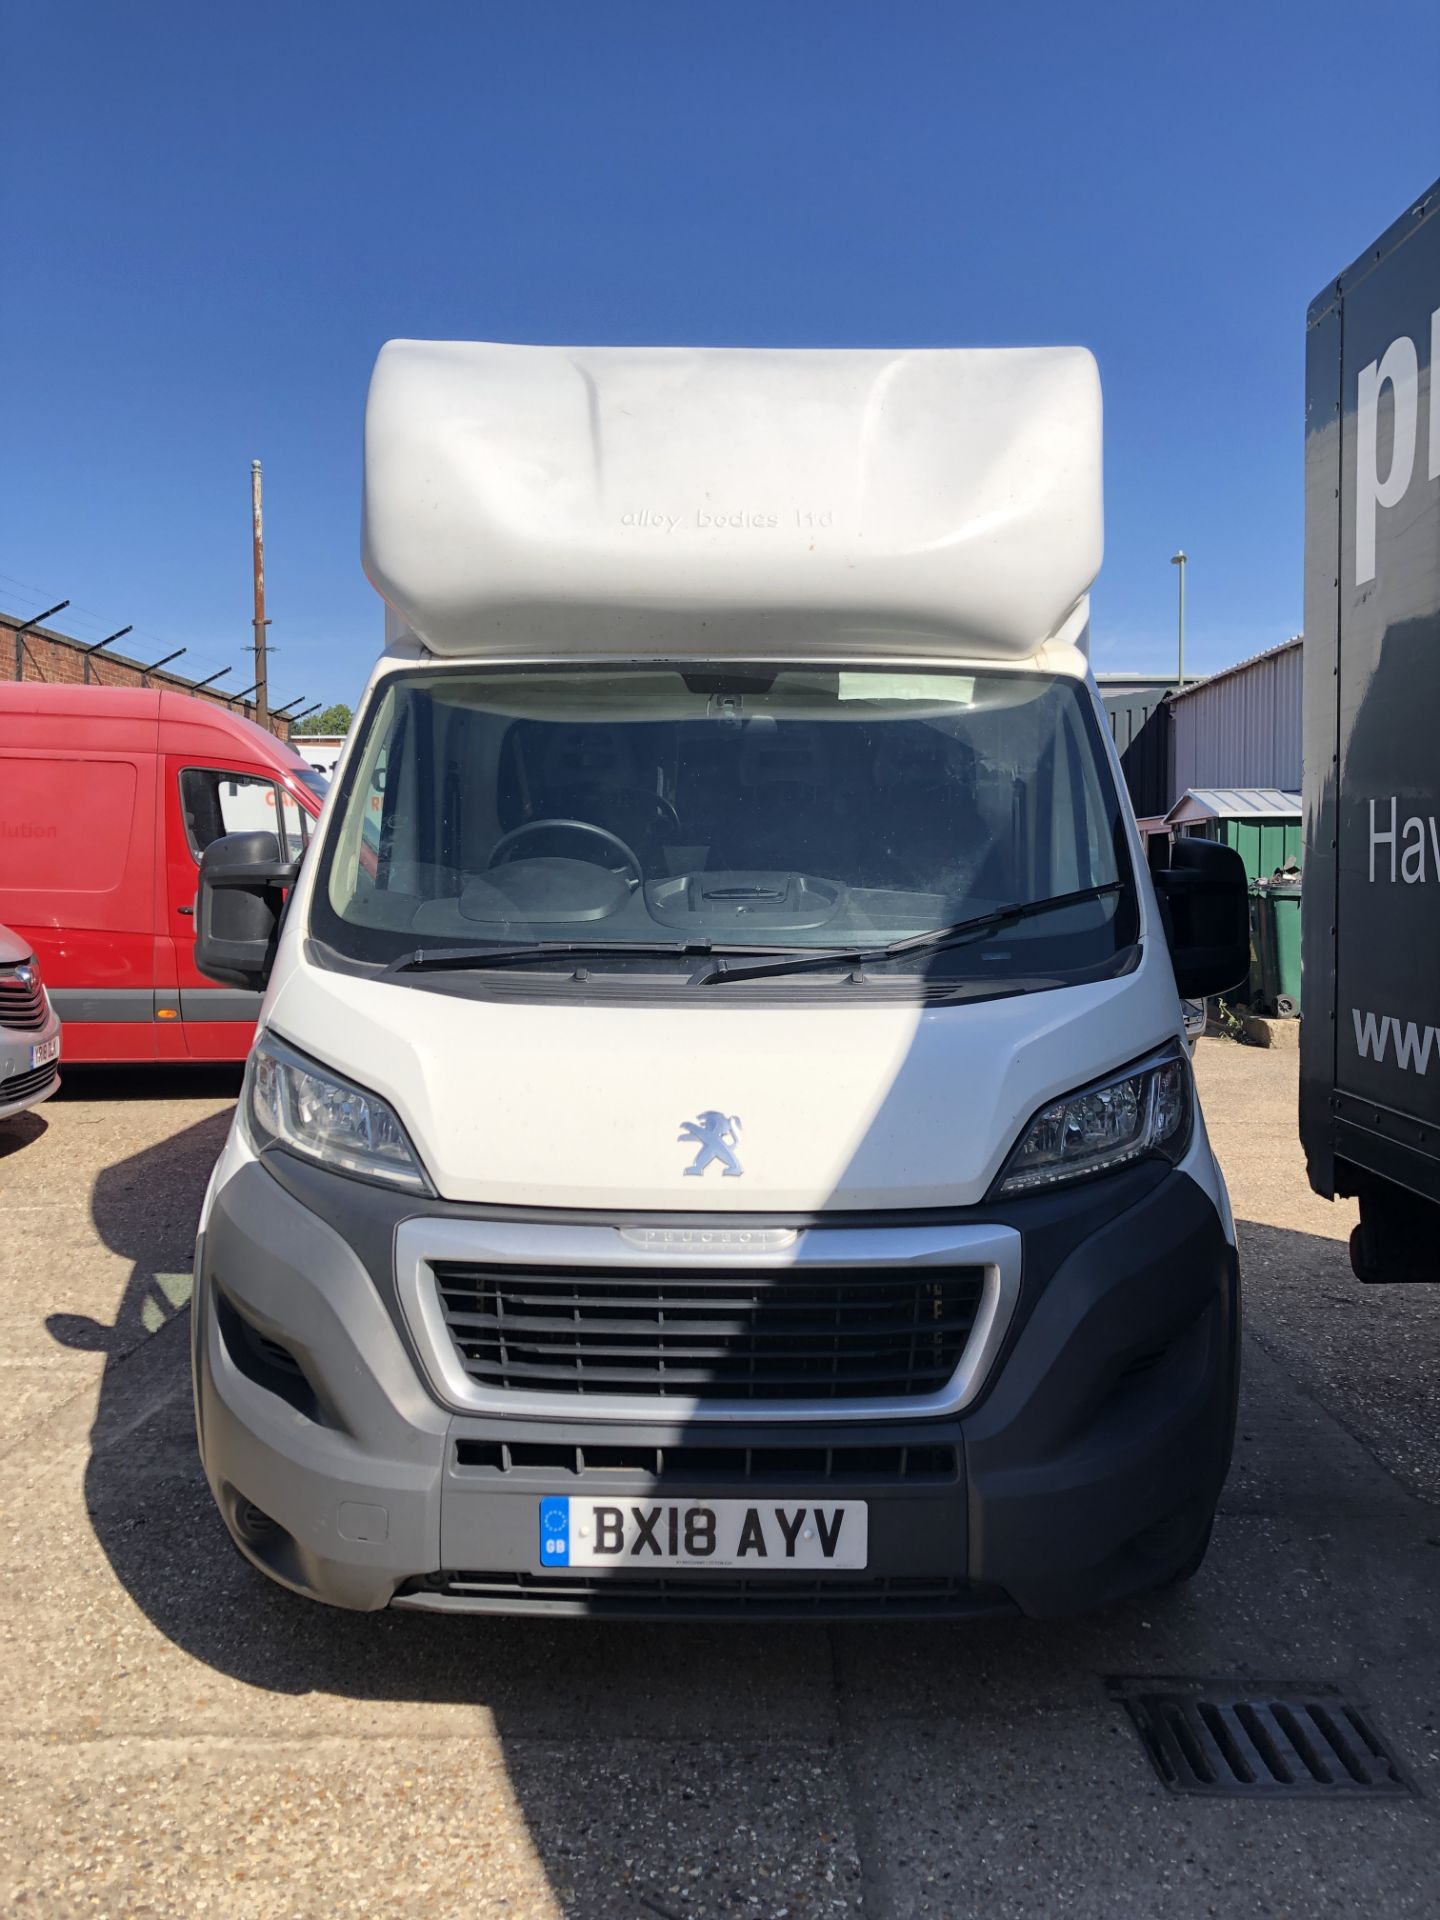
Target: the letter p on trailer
(1369, 1048)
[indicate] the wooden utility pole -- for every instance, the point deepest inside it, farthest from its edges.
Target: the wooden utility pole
(262, 696)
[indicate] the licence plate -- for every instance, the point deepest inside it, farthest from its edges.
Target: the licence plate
(759, 1535)
(44, 1051)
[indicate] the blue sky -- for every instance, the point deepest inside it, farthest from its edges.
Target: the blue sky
(211, 218)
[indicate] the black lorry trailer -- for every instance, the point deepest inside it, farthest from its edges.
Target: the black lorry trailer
(1370, 1039)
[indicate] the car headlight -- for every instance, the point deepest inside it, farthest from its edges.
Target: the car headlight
(1147, 1109)
(292, 1102)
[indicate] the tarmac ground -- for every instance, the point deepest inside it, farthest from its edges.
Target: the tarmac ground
(180, 1737)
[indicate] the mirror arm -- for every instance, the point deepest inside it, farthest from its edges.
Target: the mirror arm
(257, 874)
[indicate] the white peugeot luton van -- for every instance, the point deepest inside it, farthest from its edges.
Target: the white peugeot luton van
(720, 1138)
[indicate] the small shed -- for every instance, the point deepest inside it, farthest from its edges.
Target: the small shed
(1263, 824)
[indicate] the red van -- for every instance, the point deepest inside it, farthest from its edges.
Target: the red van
(108, 797)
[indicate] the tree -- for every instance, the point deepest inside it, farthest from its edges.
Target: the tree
(334, 719)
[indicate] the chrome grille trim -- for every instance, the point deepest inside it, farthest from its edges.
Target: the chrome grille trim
(30, 1085)
(22, 1000)
(422, 1242)
(738, 1332)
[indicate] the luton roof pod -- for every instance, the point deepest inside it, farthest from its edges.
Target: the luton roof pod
(576, 500)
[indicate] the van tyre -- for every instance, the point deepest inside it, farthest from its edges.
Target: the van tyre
(1193, 1561)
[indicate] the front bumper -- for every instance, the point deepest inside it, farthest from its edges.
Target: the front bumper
(21, 1084)
(1085, 1466)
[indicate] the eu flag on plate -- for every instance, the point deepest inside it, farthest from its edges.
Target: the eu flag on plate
(555, 1532)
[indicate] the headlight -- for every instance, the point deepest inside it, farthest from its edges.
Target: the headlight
(293, 1103)
(1145, 1110)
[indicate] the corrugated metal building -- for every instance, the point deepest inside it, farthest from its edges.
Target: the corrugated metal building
(1140, 725)
(1240, 727)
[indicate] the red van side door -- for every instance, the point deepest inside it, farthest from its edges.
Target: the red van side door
(203, 801)
(77, 876)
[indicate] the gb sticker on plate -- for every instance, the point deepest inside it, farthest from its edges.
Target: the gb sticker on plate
(555, 1533)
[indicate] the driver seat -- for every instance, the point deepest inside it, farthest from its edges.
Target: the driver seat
(594, 773)
(785, 805)
(583, 760)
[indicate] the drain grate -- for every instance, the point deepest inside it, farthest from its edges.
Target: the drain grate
(1243, 1737)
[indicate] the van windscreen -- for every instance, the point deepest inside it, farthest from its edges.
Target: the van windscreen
(678, 807)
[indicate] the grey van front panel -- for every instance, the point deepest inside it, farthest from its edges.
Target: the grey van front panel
(366, 1458)
(1086, 1469)
(915, 1531)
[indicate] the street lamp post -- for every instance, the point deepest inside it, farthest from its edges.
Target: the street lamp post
(1178, 560)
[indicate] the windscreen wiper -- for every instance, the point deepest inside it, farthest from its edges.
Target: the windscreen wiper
(959, 934)
(468, 959)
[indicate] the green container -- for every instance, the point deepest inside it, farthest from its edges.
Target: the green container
(1274, 984)
(1264, 845)
(1285, 908)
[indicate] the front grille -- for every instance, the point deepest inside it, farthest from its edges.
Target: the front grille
(778, 1596)
(22, 1004)
(787, 1333)
(712, 1466)
(26, 1086)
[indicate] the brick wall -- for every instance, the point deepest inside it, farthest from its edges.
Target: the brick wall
(43, 654)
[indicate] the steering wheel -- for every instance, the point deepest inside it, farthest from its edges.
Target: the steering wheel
(502, 850)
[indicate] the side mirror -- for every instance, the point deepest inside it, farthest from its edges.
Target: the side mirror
(243, 882)
(1204, 896)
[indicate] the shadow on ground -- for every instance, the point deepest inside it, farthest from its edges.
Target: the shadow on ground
(21, 1130)
(1372, 1354)
(157, 1080)
(655, 1764)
